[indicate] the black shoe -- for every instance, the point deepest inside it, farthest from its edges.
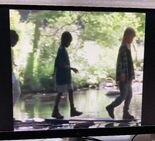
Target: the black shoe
(110, 111)
(74, 112)
(128, 117)
(57, 115)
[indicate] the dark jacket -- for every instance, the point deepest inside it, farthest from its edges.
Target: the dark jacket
(124, 64)
(63, 75)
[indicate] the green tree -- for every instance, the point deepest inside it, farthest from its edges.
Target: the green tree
(99, 32)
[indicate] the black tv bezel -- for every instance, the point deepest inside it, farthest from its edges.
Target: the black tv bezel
(146, 129)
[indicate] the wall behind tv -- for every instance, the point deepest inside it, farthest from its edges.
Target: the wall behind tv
(104, 3)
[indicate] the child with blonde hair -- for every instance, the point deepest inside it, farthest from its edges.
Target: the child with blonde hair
(124, 75)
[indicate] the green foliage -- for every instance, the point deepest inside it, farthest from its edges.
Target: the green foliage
(107, 28)
(96, 39)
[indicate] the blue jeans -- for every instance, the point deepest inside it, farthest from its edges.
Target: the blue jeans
(125, 95)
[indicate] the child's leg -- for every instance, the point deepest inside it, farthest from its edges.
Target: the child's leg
(56, 113)
(73, 112)
(71, 100)
(126, 114)
(123, 86)
(57, 101)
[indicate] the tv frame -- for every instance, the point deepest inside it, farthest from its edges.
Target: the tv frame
(5, 56)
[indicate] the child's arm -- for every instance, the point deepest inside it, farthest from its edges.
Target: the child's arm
(123, 65)
(62, 62)
(71, 68)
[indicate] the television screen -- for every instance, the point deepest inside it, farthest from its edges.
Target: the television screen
(93, 51)
(77, 70)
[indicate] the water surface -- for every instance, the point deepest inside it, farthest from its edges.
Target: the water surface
(91, 102)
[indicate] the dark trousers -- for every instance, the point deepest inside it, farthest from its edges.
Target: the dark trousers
(125, 95)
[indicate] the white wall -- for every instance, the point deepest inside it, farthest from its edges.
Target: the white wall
(99, 3)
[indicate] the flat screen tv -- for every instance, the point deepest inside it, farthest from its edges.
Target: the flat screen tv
(70, 71)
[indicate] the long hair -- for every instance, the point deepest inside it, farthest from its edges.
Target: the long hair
(128, 32)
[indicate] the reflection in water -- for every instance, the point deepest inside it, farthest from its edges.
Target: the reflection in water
(91, 102)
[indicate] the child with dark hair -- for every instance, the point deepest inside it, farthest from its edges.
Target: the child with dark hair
(63, 76)
(124, 75)
(15, 83)
(13, 38)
